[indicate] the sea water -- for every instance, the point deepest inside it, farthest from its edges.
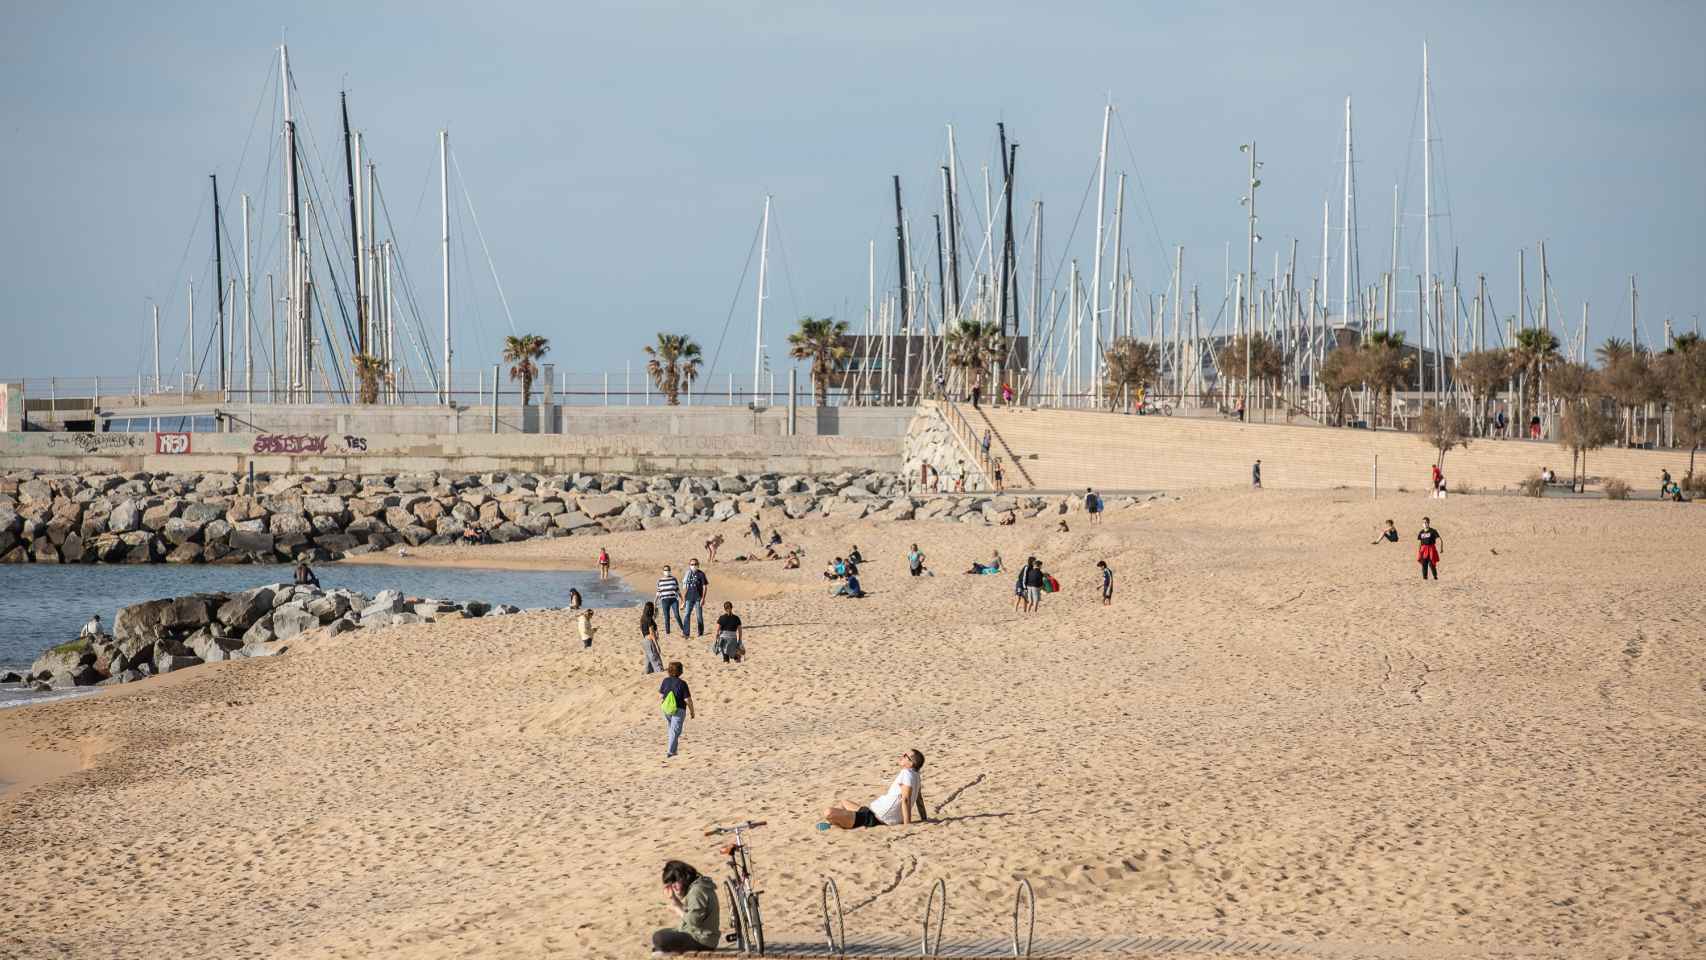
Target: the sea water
(43, 605)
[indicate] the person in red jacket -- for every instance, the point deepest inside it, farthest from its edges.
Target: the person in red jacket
(1427, 549)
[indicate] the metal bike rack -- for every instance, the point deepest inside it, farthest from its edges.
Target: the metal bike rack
(941, 919)
(1019, 898)
(835, 934)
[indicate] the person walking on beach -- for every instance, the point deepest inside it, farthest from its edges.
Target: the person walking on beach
(752, 531)
(1256, 476)
(669, 600)
(584, 621)
(1107, 582)
(1092, 505)
(694, 896)
(1427, 549)
(893, 808)
(603, 564)
(915, 561)
(649, 648)
(1033, 584)
(695, 593)
(731, 640)
(677, 704)
(1389, 535)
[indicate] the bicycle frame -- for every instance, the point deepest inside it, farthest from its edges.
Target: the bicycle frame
(748, 934)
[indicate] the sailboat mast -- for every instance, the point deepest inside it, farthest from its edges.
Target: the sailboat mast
(763, 269)
(1096, 267)
(248, 310)
(1427, 198)
(1345, 240)
(444, 248)
(1119, 228)
(350, 163)
(218, 285)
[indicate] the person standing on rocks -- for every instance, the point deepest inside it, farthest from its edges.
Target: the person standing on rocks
(669, 600)
(695, 593)
(677, 704)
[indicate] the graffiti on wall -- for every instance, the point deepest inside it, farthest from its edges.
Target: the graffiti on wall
(172, 443)
(97, 442)
(293, 443)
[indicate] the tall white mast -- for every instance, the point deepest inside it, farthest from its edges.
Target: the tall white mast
(1326, 218)
(1345, 248)
(444, 231)
(1114, 327)
(763, 266)
(1096, 268)
(1427, 197)
(156, 348)
(189, 341)
(248, 311)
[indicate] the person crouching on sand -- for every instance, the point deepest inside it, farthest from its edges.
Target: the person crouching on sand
(893, 808)
(695, 896)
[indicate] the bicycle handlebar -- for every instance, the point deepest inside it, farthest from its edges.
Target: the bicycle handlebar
(748, 825)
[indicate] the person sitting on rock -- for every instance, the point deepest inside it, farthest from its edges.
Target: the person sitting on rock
(92, 628)
(305, 577)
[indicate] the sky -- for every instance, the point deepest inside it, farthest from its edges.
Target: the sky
(617, 156)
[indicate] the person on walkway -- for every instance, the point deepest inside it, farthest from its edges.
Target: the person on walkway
(915, 561)
(893, 808)
(694, 895)
(305, 577)
(1092, 505)
(1240, 409)
(1256, 476)
(731, 639)
(1427, 549)
(1000, 477)
(583, 620)
(1107, 582)
(695, 593)
(677, 704)
(1500, 422)
(960, 477)
(669, 600)
(984, 445)
(976, 394)
(649, 648)
(603, 564)
(1006, 395)
(1389, 535)
(1033, 584)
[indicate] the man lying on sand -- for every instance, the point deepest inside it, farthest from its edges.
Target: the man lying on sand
(893, 808)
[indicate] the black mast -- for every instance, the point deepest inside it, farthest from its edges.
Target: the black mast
(218, 281)
(900, 250)
(953, 242)
(941, 281)
(355, 247)
(1009, 159)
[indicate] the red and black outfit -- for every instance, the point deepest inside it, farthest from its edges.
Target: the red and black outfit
(1427, 551)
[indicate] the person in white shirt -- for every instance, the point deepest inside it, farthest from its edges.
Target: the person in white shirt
(893, 808)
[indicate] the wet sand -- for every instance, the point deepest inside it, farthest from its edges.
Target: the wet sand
(1277, 735)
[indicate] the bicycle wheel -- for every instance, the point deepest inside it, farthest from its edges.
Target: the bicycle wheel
(754, 926)
(738, 928)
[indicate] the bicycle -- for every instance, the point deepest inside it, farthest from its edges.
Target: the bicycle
(748, 934)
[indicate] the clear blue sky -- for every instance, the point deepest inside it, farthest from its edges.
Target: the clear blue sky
(617, 156)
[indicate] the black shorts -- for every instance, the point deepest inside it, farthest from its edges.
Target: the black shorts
(865, 818)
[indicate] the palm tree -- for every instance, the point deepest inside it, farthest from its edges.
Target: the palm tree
(370, 373)
(1682, 372)
(1132, 364)
(674, 363)
(1385, 366)
(520, 352)
(819, 340)
(973, 347)
(1612, 351)
(1535, 353)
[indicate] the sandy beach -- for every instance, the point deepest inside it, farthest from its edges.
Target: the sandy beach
(1277, 735)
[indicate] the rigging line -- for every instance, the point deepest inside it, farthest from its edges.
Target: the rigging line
(787, 273)
(734, 301)
(1066, 250)
(1143, 191)
(410, 301)
(474, 214)
(243, 156)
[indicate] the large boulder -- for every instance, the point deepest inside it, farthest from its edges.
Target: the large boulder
(202, 513)
(575, 522)
(243, 609)
(327, 608)
(154, 518)
(384, 603)
(139, 624)
(292, 619)
(599, 507)
(212, 646)
(188, 613)
(335, 543)
(186, 553)
(290, 522)
(621, 524)
(243, 541)
(326, 505)
(175, 661)
(181, 530)
(126, 517)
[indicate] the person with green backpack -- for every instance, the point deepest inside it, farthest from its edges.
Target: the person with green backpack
(677, 704)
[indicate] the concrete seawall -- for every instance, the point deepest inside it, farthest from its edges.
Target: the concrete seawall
(331, 453)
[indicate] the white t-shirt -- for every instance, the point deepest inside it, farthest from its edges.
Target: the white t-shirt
(887, 807)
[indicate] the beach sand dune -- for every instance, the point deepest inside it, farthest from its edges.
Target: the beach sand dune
(1278, 735)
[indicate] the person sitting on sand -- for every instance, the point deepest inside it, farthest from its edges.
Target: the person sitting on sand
(849, 588)
(792, 562)
(305, 577)
(694, 895)
(1389, 535)
(471, 536)
(731, 639)
(1009, 518)
(584, 621)
(836, 570)
(770, 552)
(893, 808)
(775, 537)
(853, 555)
(1063, 528)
